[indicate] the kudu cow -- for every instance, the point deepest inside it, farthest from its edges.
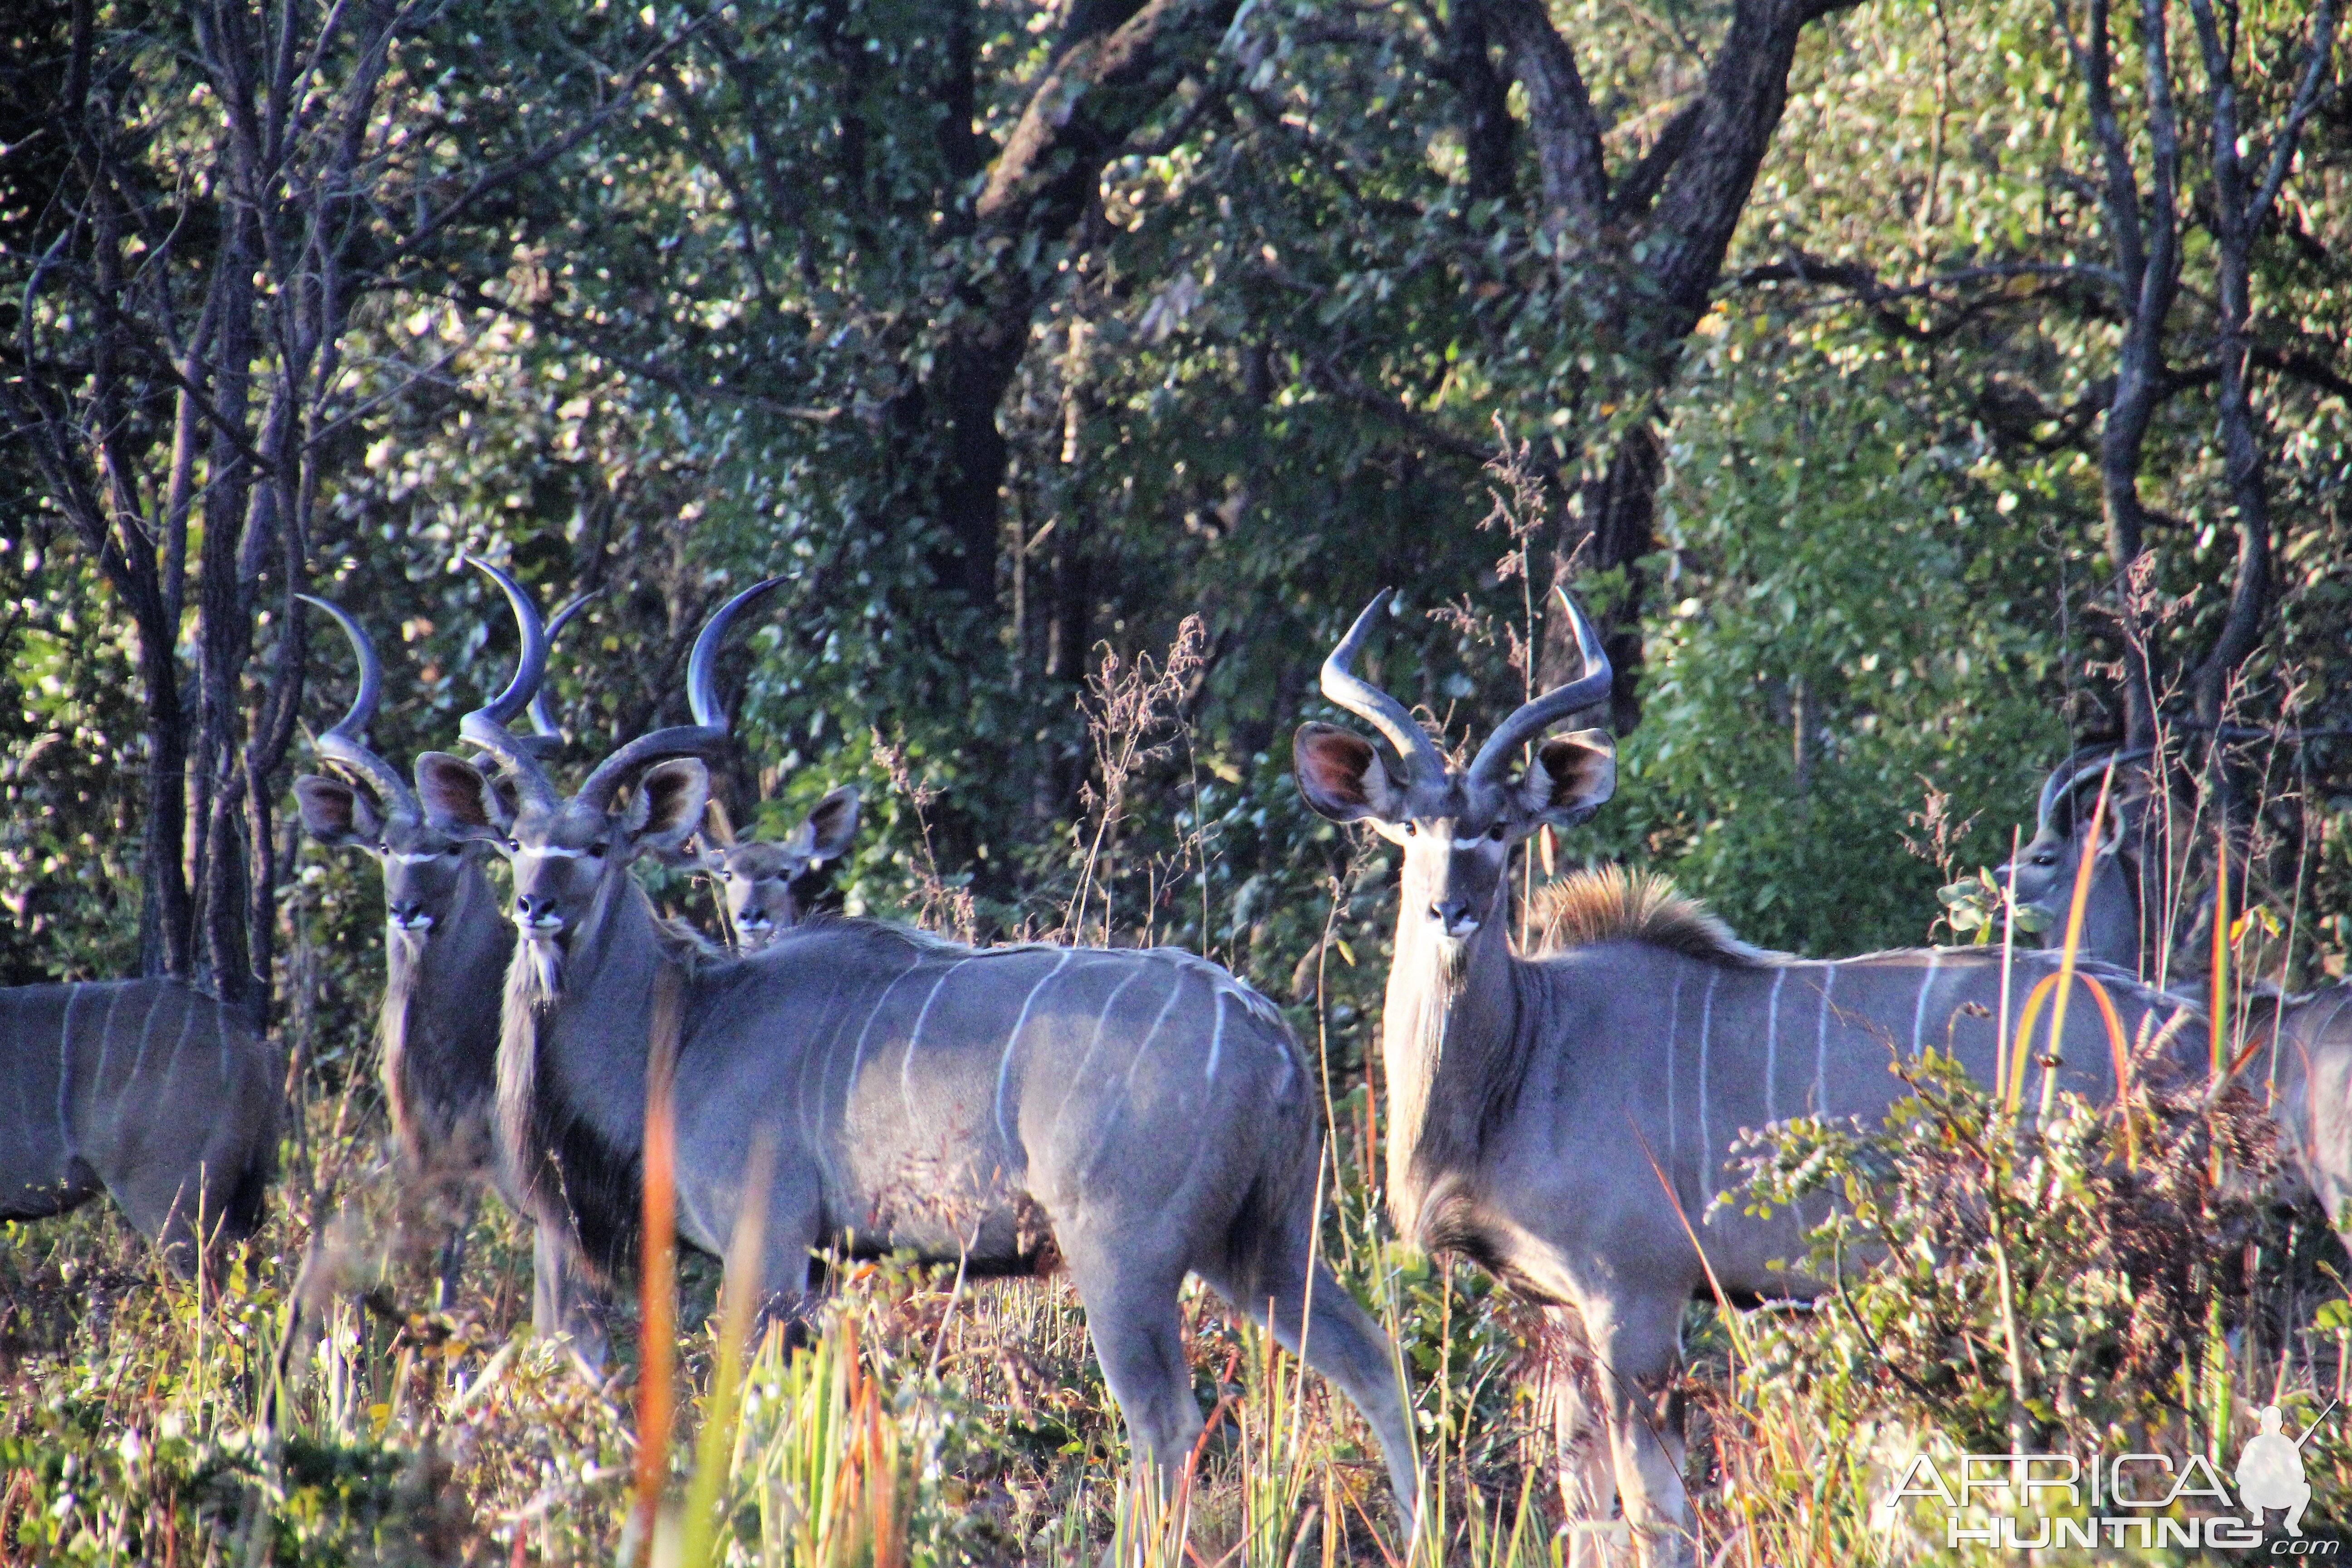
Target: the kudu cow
(1131, 1115)
(1561, 1115)
(2309, 1069)
(148, 1091)
(755, 875)
(446, 942)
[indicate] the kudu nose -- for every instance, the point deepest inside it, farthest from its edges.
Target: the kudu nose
(534, 909)
(1453, 916)
(406, 912)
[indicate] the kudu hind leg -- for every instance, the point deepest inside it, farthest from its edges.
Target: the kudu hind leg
(1342, 1343)
(563, 1304)
(1138, 1339)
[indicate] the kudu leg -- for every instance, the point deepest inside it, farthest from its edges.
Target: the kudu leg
(1636, 1344)
(1585, 1468)
(1139, 1338)
(561, 1307)
(1342, 1343)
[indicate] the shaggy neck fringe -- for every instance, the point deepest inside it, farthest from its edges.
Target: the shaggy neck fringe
(1611, 903)
(404, 952)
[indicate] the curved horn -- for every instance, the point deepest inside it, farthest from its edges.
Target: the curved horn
(1531, 720)
(700, 739)
(2054, 789)
(542, 717)
(346, 743)
(701, 674)
(487, 727)
(2092, 772)
(1424, 762)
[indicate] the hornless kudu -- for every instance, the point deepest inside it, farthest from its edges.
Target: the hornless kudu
(148, 1091)
(2310, 1065)
(1133, 1115)
(756, 876)
(446, 942)
(1559, 1116)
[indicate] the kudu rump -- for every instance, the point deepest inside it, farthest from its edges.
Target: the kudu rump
(2309, 1065)
(446, 942)
(1135, 1115)
(1560, 1117)
(148, 1091)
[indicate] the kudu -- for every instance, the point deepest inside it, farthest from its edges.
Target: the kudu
(2309, 1068)
(1131, 1115)
(148, 1091)
(755, 875)
(446, 942)
(1562, 1117)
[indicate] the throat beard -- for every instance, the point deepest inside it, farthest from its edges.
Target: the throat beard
(539, 972)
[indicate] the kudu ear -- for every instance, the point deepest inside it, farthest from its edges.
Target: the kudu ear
(458, 799)
(667, 808)
(1342, 776)
(832, 825)
(1574, 776)
(336, 814)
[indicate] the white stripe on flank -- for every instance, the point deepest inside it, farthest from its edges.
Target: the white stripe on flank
(1822, 1045)
(106, 1038)
(1674, 1024)
(1772, 1048)
(858, 1057)
(139, 1063)
(1216, 1035)
(65, 1071)
(1102, 1021)
(1004, 1069)
(907, 1067)
(1705, 1130)
(1927, 983)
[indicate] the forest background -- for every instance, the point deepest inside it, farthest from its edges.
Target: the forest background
(1914, 390)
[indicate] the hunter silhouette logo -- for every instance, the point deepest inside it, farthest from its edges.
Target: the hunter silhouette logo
(2027, 1502)
(2270, 1471)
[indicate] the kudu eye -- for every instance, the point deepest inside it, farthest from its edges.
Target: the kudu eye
(1496, 832)
(514, 845)
(1411, 828)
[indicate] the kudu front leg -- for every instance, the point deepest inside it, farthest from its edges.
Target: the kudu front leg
(562, 1307)
(1585, 1466)
(1637, 1345)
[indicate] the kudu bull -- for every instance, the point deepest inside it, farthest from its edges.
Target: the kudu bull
(1560, 1117)
(446, 942)
(1132, 1115)
(2309, 1069)
(148, 1091)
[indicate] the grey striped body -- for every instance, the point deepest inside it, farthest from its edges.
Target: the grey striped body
(1656, 1055)
(1133, 1115)
(147, 1090)
(2312, 1086)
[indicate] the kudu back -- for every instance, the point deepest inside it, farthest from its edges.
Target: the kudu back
(446, 943)
(148, 1091)
(2129, 919)
(1131, 1115)
(1562, 1115)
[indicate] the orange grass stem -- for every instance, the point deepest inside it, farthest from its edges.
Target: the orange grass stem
(657, 1289)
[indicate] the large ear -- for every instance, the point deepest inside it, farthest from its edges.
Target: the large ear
(334, 813)
(667, 809)
(832, 825)
(1342, 776)
(458, 799)
(1574, 776)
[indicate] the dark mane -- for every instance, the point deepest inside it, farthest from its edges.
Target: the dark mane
(1611, 903)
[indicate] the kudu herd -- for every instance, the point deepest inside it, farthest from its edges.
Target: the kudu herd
(1563, 1111)
(1131, 1116)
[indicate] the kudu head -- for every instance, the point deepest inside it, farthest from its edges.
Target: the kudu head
(756, 876)
(1457, 825)
(423, 852)
(566, 851)
(2043, 872)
